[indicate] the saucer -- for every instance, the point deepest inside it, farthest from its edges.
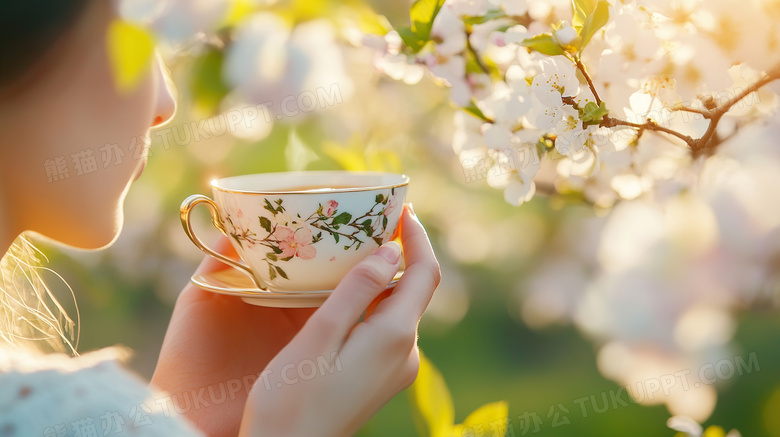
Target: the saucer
(232, 282)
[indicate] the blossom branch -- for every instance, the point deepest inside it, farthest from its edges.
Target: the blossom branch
(650, 125)
(713, 113)
(581, 67)
(719, 111)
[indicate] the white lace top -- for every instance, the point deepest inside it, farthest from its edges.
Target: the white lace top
(89, 396)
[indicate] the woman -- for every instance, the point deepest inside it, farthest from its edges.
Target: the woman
(58, 99)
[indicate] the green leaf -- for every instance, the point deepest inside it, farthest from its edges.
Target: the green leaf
(594, 21)
(544, 44)
(276, 249)
(271, 271)
(377, 240)
(238, 240)
(342, 219)
(476, 112)
(431, 401)
(422, 14)
(265, 223)
(379, 198)
(581, 8)
(281, 272)
(478, 423)
(384, 222)
(410, 38)
(271, 256)
(335, 236)
(592, 113)
(368, 230)
(495, 14)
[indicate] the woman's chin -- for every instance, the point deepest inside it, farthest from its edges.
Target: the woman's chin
(90, 237)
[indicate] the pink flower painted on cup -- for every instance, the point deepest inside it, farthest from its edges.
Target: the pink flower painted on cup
(329, 208)
(295, 243)
(392, 204)
(289, 235)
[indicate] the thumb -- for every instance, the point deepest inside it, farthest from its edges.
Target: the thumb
(357, 289)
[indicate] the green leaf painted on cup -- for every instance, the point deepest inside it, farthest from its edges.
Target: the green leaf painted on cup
(281, 272)
(271, 256)
(265, 223)
(271, 271)
(342, 219)
(269, 207)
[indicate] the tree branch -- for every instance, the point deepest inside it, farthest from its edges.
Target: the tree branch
(713, 115)
(718, 112)
(650, 125)
(581, 67)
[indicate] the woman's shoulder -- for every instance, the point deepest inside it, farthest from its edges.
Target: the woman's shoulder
(91, 395)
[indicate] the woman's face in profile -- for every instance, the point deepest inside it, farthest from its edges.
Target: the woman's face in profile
(72, 144)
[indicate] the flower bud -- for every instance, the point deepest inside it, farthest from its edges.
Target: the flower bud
(565, 34)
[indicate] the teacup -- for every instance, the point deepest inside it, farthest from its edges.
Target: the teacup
(301, 231)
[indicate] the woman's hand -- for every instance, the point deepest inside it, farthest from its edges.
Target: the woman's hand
(215, 348)
(334, 375)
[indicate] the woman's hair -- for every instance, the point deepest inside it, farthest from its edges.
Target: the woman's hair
(28, 28)
(30, 315)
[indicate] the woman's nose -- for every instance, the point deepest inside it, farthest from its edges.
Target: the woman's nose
(165, 105)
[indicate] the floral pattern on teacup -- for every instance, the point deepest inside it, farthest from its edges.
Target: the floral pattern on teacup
(293, 236)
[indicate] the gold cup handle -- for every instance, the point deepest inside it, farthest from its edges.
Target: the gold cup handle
(185, 210)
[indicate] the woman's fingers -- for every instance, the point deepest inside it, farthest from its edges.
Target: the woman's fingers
(415, 289)
(377, 300)
(356, 291)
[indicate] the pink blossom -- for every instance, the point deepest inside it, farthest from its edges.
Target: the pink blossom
(329, 208)
(392, 204)
(295, 243)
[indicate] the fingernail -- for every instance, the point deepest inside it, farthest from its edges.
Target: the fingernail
(411, 209)
(391, 251)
